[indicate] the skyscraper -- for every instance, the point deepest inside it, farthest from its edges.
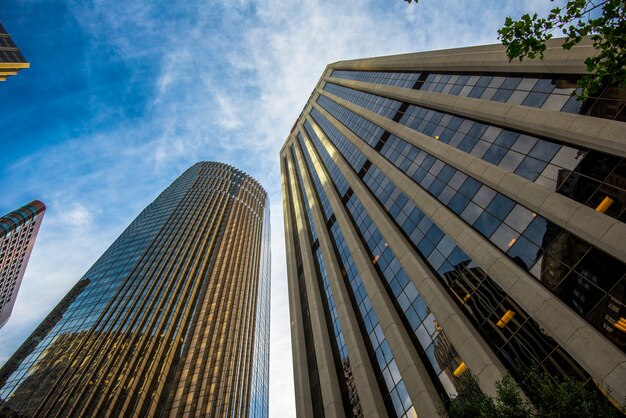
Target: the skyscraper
(172, 320)
(11, 59)
(448, 212)
(18, 231)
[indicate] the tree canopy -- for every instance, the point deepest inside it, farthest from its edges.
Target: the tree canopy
(605, 23)
(545, 398)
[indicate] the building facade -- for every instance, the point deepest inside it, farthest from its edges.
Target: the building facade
(11, 59)
(18, 231)
(171, 321)
(448, 212)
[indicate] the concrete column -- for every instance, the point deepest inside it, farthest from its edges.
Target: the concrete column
(363, 372)
(602, 360)
(582, 131)
(461, 333)
(486, 58)
(425, 399)
(594, 227)
(329, 385)
(304, 406)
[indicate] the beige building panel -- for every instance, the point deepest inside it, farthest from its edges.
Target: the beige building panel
(478, 58)
(504, 272)
(460, 332)
(331, 394)
(371, 401)
(579, 130)
(591, 226)
(413, 373)
(304, 406)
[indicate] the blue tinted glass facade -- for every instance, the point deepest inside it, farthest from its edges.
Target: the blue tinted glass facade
(440, 356)
(586, 176)
(548, 92)
(530, 240)
(520, 343)
(484, 196)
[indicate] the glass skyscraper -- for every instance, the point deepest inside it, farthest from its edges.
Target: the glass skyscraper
(448, 212)
(172, 320)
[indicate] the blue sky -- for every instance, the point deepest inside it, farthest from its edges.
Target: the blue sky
(122, 97)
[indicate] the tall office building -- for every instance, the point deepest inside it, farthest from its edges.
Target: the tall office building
(171, 321)
(18, 231)
(448, 212)
(11, 59)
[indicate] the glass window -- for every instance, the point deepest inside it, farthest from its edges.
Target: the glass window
(484, 196)
(530, 168)
(544, 150)
(471, 213)
(523, 252)
(486, 224)
(500, 206)
(504, 237)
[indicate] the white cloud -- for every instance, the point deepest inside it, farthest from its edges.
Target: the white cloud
(79, 215)
(226, 82)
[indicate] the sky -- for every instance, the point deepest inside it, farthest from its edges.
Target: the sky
(123, 96)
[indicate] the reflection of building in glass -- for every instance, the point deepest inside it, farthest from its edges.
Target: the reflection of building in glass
(18, 231)
(172, 319)
(451, 211)
(41, 331)
(11, 59)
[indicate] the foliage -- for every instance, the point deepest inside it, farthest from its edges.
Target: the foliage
(604, 21)
(545, 399)
(567, 398)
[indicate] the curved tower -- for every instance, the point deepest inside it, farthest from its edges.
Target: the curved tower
(172, 320)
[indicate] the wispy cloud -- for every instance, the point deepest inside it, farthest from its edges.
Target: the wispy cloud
(160, 86)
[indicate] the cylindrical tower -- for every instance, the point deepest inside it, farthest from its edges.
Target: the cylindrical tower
(172, 320)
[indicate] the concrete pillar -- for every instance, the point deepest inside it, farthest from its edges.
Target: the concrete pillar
(329, 385)
(363, 372)
(425, 399)
(602, 360)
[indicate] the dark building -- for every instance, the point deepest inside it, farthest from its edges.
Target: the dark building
(11, 59)
(450, 211)
(18, 231)
(172, 320)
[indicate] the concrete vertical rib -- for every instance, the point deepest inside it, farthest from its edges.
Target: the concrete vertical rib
(331, 395)
(499, 195)
(587, 223)
(487, 58)
(586, 131)
(365, 380)
(422, 392)
(304, 404)
(571, 331)
(466, 340)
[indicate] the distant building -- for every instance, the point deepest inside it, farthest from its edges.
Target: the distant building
(18, 231)
(11, 59)
(450, 211)
(172, 320)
